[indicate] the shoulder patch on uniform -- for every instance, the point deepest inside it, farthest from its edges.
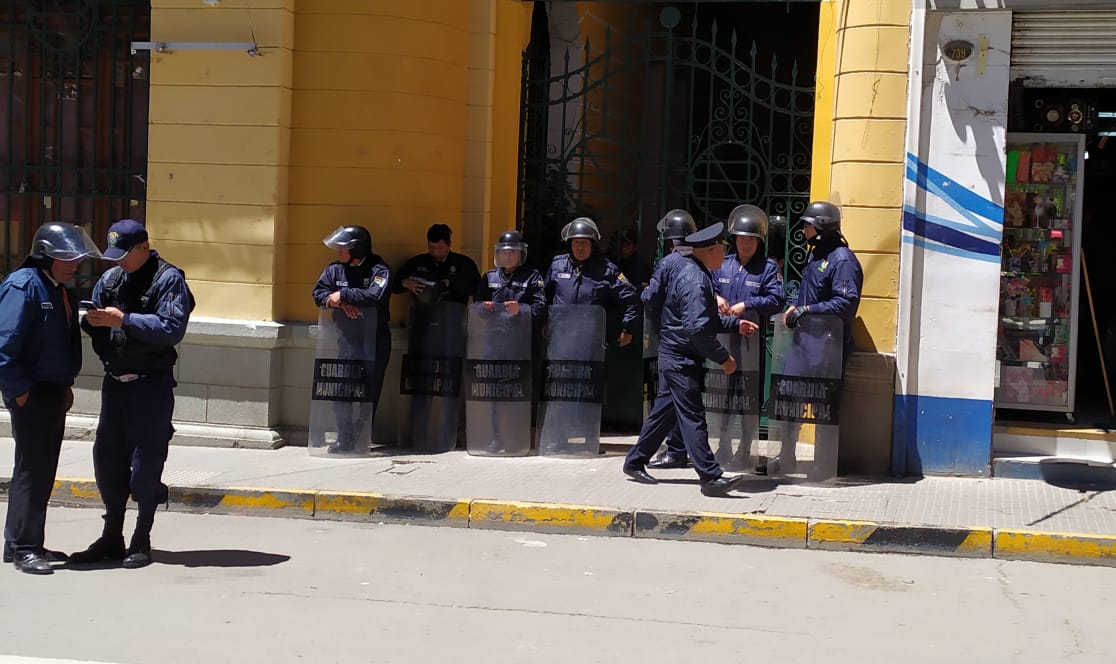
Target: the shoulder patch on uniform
(621, 277)
(379, 280)
(824, 265)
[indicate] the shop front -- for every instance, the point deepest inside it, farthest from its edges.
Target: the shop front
(1004, 302)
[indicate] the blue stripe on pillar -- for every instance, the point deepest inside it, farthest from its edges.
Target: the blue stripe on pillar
(941, 436)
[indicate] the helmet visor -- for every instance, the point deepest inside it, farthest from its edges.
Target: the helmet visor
(72, 245)
(339, 239)
(509, 249)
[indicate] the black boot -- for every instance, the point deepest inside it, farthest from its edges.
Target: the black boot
(139, 551)
(109, 546)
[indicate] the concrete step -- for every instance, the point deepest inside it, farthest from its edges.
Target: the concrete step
(1065, 472)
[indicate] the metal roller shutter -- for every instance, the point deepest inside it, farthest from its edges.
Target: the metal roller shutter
(1064, 48)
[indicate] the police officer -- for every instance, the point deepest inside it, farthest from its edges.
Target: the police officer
(690, 325)
(748, 282)
(586, 276)
(142, 308)
(832, 279)
(673, 229)
(40, 354)
(439, 275)
(512, 282)
(356, 285)
(831, 284)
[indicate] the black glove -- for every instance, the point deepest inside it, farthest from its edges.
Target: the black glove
(795, 314)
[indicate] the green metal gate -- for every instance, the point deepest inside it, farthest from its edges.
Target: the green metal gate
(664, 113)
(74, 108)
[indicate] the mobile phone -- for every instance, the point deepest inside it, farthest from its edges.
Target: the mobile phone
(87, 304)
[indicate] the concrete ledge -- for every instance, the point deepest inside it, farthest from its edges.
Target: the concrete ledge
(552, 518)
(1056, 547)
(883, 538)
(774, 531)
(243, 501)
(390, 509)
(750, 529)
(83, 428)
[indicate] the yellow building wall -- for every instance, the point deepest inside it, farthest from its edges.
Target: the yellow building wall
(859, 139)
(217, 156)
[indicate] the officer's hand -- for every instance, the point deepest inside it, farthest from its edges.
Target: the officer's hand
(747, 328)
(512, 307)
(489, 306)
(625, 339)
(107, 317)
(350, 311)
(722, 306)
(737, 309)
(413, 286)
(69, 398)
(790, 319)
(729, 366)
(334, 299)
(22, 399)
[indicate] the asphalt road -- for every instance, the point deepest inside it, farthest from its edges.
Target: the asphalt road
(238, 589)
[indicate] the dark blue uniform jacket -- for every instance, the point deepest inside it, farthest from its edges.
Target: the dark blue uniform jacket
(655, 294)
(524, 285)
(365, 285)
(455, 278)
(756, 284)
(831, 284)
(596, 281)
(690, 322)
(36, 344)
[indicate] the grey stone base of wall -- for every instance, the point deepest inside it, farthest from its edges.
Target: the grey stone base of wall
(84, 427)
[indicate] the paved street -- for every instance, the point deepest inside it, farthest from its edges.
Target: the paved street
(241, 589)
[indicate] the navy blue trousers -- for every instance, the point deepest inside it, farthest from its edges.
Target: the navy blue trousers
(37, 427)
(133, 434)
(677, 405)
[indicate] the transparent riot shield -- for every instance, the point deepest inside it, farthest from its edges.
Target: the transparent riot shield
(732, 404)
(806, 368)
(345, 384)
(430, 377)
(573, 381)
(498, 382)
(650, 365)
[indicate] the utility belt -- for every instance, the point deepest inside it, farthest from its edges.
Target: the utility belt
(126, 378)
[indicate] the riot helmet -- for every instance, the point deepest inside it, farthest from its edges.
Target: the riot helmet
(676, 225)
(582, 227)
(823, 216)
(356, 239)
(748, 221)
(63, 242)
(510, 241)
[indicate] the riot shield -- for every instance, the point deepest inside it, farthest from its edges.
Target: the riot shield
(430, 377)
(806, 367)
(344, 386)
(573, 381)
(498, 382)
(650, 364)
(732, 403)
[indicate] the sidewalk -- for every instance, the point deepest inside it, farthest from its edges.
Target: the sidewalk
(1002, 518)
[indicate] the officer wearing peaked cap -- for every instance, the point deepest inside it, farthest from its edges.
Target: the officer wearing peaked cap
(690, 324)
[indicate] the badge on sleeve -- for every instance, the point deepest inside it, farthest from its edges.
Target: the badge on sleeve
(379, 281)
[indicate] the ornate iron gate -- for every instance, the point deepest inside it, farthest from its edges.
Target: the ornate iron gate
(74, 102)
(662, 115)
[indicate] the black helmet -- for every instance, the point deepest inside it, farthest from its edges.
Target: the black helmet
(356, 239)
(581, 227)
(676, 225)
(748, 221)
(63, 242)
(824, 216)
(510, 240)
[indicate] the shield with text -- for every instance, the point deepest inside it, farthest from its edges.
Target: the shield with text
(573, 381)
(732, 403)
(344, 386)
(430, 377)
(498, 381)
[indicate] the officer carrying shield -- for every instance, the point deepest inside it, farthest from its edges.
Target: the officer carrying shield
(354, 286)
(439, 275)
(831, 284)
(40, 354)
(512, 282)
(586, 276)
(748, 282)
(690, 325)
(673, 229)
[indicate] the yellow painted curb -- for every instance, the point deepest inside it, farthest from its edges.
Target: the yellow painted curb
(549, 517)
(237, 500)
(356, 506)
(1055, 547)
(837, 535)
(67, 491)
(758, 530)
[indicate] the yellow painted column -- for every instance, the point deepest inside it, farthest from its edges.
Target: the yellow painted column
(378, 135)
(513, 32)
(476, 204)
(860, 125)
(219, 132)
